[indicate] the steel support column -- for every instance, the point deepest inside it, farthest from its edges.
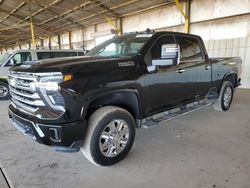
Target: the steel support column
(186, 28)
(70, 42)
(59, 42)
(42, 43)
(114, 25)
(188, 13)
(32, 31)
(50, 43)
(120, 23)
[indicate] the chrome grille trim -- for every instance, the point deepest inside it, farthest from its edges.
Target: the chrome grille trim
(27, 101)
(24, 94)
(25, 88)
(27, 77)
(25, 108)
(32, 99)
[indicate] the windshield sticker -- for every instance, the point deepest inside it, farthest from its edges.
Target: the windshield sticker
(144, 35)
(126, 64)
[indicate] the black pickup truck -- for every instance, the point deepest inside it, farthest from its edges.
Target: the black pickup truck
(95, 102)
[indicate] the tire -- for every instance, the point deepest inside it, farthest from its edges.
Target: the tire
(110, 136)
(223, 102)
(4, 91)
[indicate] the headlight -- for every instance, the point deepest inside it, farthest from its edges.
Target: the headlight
(48, 85)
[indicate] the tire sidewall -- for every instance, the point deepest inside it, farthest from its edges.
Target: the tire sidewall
(227, 85)
(7, 87)
(98, 157)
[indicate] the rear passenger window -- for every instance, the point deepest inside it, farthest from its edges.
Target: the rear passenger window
(48, 55)
(189, 48)
(43, 55)
(81, 53)
(64, 54)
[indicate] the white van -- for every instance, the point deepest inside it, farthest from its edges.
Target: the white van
(11, 58)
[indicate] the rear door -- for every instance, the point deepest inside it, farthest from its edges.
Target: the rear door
(195, 66)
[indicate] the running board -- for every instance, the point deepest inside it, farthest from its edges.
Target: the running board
(163, 117)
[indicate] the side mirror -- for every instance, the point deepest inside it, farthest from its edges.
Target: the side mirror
(170, 56)
(10, 63)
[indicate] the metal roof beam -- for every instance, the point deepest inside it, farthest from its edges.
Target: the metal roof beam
(65, 13)
(102, 12)
(13, 11)
(107, 9)
(59, 15)
(36, 12)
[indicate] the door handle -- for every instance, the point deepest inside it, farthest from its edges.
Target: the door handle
(207, 67)
(181, 70)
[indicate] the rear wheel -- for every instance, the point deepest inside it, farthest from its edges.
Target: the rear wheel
(224, 101)
(4, 91)
(110, 136)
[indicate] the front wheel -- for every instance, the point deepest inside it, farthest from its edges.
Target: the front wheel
(4, 91)
(225, 98)
(110, 136)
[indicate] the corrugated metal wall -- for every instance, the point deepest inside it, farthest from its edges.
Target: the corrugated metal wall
(238, 47)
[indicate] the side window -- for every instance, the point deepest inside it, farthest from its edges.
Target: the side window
(189, 48)
(81, 54)
(19, 58)
(72, 54)
(156, 49)
(48, 55)
(43, 55)
(26, 56)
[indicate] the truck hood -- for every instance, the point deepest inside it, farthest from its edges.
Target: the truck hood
(75, 64)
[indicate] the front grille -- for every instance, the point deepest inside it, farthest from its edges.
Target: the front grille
(23, 91)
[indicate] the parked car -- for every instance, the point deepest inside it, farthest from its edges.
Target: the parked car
(16, 57)
(94, 103)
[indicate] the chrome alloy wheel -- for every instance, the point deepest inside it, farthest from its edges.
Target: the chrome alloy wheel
(3, 91)
(227, 96)
(114, 138)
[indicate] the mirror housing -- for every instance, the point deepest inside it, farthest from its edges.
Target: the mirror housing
(10, 63)
(170, 56)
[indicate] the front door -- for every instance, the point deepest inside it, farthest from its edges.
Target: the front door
(167, 86)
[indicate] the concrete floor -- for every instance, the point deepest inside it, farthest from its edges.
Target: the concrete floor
(204, 149)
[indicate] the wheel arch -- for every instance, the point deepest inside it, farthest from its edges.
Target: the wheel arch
(231, 77)
(126, 99)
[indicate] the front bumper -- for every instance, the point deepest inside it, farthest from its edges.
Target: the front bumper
(62, 137)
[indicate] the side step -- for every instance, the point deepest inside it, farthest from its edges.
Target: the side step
(160, 118)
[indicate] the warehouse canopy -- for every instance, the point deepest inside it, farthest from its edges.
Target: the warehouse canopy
(52, 17)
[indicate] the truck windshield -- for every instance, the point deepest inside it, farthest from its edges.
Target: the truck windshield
(121, 46)
(4, 57)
